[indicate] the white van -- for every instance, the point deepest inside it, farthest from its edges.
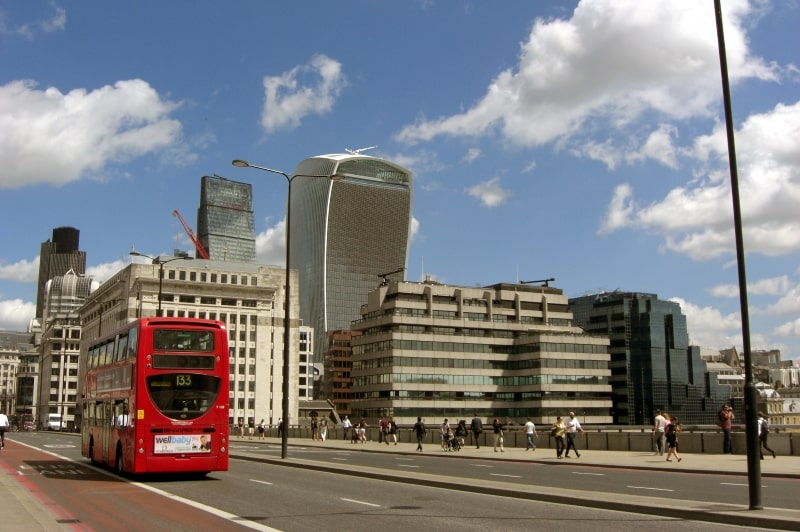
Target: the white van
(54, 422)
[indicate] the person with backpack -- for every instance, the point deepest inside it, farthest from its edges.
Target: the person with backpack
(477, 428)
(419, 430)
(763, 432)
(672, 438)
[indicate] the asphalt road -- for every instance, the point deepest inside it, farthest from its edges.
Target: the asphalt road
(708, 487)
(267, 497)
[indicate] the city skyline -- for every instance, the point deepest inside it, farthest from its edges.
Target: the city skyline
(577, 140)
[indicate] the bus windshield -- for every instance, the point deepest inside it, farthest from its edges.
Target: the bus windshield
(183, 340)
(183, 396)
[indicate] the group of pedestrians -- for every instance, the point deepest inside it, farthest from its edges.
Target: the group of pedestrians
(665, 435)
(568, 430)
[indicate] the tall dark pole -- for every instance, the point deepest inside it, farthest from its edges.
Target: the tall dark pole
(160, 285)
(239, 163)
(750, 392)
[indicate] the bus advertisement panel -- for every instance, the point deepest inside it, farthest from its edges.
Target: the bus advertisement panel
(156, 397)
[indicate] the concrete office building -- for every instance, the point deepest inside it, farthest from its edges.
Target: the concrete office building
(59, 347)
(225, 225)
(57, 256)
(508, 351)
(247, 297)
(345, 233)
(652, 364)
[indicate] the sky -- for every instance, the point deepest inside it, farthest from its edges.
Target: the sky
(578, 140)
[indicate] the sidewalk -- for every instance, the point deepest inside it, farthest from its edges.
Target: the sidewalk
(736, 464)
(734, 514)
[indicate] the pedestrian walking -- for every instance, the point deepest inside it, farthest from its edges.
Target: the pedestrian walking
(419, 431)
(461, 432)
(763, 432)
(392, 430)
(726, 418)
(671, 437)
(261, 430)
(4, 426)
(443, 429)
(346, 426)
(323, 429)
(530, 434)
(557, 431)
(659, 427)
(280, 427)
(573, 429)
(498, 435)
(477, 429)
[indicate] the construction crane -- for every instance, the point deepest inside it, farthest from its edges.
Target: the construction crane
(197, 245)
(383, 276)
(545, 281)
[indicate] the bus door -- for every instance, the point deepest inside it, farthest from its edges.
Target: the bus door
(105, 413)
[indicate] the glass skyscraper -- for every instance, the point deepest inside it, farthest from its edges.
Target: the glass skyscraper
(225, 220)
(56, 257)
(652, 364)
(345, 233)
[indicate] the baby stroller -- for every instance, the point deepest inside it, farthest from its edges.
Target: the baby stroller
(452, 442)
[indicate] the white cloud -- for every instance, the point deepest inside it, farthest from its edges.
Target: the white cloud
(271, 245)
(530, 167)
(791, 328)
(697, 219)
(472, 154)
(16, 314)
(28, 30)
(610, 63)
(619, 211)
(708, 327)
(489, 192)
(51, 137)
(659, 147)
(788, 304)
(22, 271)
(103, 272)
(773, 286)
(287, 101)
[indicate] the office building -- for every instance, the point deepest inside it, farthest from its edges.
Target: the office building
(248, 298)
(225, 220)
(60, 346)
(652, 365)
(57, 256)
(345, 234)
(506, 351)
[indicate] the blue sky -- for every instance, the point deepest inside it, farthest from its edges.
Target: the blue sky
(580, 140)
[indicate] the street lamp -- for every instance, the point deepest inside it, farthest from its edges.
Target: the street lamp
(239, 163)
(161, 263)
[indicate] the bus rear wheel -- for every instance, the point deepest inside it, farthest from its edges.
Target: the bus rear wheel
(118, 462)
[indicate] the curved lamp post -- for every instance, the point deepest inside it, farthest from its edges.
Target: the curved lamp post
(161, 263)
(287, 292)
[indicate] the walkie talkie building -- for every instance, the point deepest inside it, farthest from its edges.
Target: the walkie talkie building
(345, 234)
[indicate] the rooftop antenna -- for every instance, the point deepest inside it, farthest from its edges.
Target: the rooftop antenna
(358, 151)
(545, 281)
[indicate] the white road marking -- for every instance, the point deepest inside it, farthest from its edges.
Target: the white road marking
(408, 465)
(361, 502)
(261, 481)
(481, 465)
(735, 484)
(590, 474)
(647, 488)
(509, 476)
(340, 459)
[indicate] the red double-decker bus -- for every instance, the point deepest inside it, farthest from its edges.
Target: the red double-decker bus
(155, 397)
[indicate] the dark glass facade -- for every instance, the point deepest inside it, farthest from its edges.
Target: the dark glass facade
(344, 233)
(225, 220)
(56, 257)
(652, 364)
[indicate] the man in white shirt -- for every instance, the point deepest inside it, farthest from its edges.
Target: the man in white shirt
(659, 426)
(530, 433)
(4, 426)
(573, 429)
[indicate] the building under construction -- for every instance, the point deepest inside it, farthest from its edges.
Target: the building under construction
(225, 220)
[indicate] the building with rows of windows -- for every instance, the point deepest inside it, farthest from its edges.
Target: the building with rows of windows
(508, 351)
(247, 297)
